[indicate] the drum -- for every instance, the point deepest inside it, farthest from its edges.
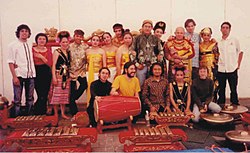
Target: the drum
(217, 118)
(116, 108)
(238, 136)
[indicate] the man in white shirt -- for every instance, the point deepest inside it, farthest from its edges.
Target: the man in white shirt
(21, 64)
(229, 63)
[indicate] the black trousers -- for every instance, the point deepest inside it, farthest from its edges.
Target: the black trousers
(76, 93)
(42, 86)
(233, 82)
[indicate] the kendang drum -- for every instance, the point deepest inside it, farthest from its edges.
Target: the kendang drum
(116, 108)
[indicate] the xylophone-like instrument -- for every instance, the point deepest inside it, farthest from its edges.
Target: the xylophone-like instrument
(51, 138)
(29, 121)
(157, 138)
(171, 118)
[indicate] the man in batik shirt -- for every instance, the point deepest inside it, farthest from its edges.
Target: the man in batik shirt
(78, 62)
(147, 47)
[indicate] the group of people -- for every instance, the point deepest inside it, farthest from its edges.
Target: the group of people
(127, 65)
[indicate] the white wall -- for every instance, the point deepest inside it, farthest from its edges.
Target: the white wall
(90, 15)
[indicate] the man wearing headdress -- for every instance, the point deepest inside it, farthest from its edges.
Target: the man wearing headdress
(179, 52)
(118, 38)
(147, 47)
(78, 68)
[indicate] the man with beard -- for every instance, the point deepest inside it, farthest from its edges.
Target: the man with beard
(126, 84)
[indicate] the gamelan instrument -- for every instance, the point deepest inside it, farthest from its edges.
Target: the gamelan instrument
(217, 118)
(29, 121)
(240, 136)
(234, 109)
(157, 138)
(116, 108)
(171, 118)
(58, 139)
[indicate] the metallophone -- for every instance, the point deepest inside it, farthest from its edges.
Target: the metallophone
(25, 121)
(48, 139)
(157, 138)
(171, 118)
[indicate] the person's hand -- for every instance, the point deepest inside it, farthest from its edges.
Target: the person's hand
(171, 38)
(54, 81)
(16, 81)
(133, 53)
(152, 109)
(167, 109)
(15, 66)
(177, 61)
(114, 93)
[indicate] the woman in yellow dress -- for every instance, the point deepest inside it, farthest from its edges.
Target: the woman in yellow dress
(209, 53)
(96, 59)
(110, 51)
(124, 53)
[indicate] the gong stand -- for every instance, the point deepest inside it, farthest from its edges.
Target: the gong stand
(112, 125)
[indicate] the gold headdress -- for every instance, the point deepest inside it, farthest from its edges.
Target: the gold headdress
(206, 30)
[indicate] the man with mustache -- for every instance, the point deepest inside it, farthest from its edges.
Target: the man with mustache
(126, 84)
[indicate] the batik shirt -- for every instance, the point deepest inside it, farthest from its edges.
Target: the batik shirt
(78, 60)
(147, 48)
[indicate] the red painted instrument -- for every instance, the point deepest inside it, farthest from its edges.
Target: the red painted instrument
(157, 138)
(53, 139)
(116, 108)
(171, 119)
(25, 121)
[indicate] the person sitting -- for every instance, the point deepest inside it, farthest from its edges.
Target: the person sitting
(202, 94)
(101, 83)
(155, 90)
(180, 96)
(126, 84)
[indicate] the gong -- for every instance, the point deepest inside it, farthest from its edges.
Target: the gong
(217, 118)
(234, 109)
(238, 136)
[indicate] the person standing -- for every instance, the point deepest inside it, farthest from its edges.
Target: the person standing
(78, 61)
(195, 39)
(22, 68)
(60, 74)
(228, 65)
(110, 51)
(147, 47)
(179, 52)
(43, 62)
(118, 38)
